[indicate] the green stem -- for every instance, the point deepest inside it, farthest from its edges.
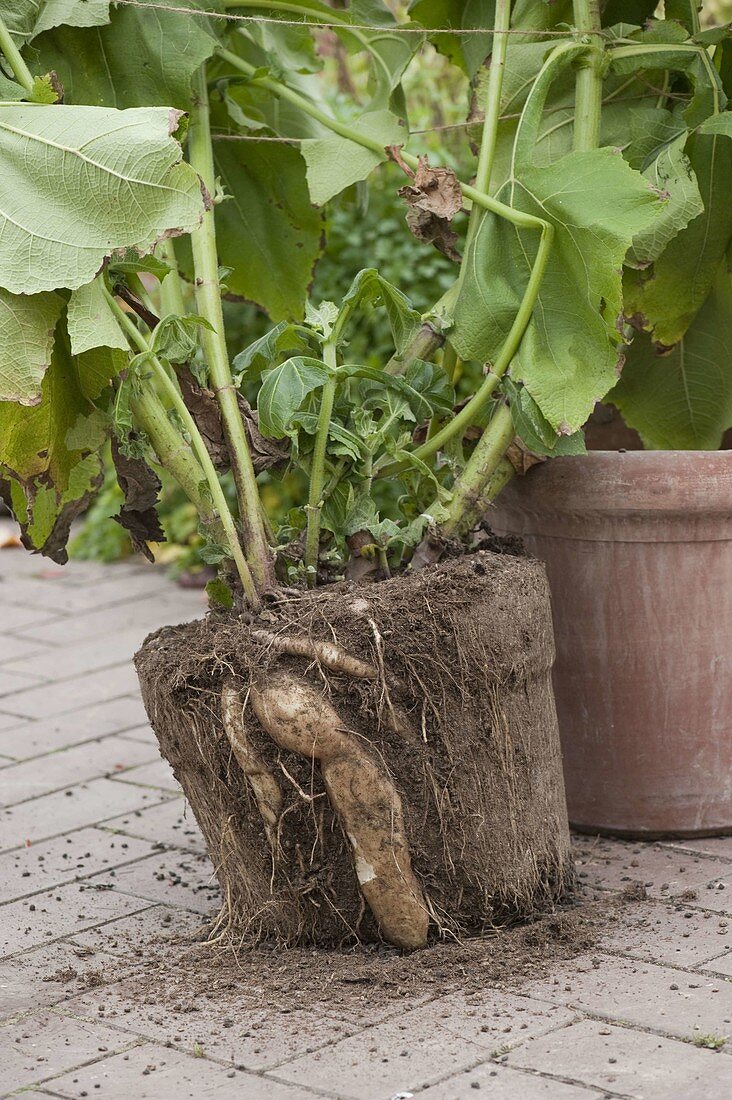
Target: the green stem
(171, 288)
(483, 463)
(516, 217)
(173, 394)
(317, 468)
(463, 420)
(175, 455)
(208, 301)
(588, 86)
(423, 345)
(492, 110)
(13, 58)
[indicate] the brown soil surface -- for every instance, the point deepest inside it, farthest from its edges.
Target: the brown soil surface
(180, 975)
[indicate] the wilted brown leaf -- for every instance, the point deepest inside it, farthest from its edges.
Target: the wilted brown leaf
(138, 514)
(434, 198)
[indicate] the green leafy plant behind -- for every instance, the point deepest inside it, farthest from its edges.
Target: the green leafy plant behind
(158, 164)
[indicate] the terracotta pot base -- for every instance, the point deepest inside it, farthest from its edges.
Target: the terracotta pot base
(638, 549)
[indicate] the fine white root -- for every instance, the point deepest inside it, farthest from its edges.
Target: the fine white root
(265, 788)
(301, 720)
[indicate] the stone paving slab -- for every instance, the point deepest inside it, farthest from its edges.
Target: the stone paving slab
(417, 1048)
(75, 808)
(126, 937)
(68, 767)
(66, 858)
(677, 935)
(170, 823)
(720, 846)
(175, 878)
(27, 981)
(628, 1063)
(663, 871)
(157, 773)
(45, 1044)
(13, 682)
(645, 994)
(11, 721)
(23, 739)
(254, 1040)
(14, 649)
(77, 660)
(24, 618)
(43, 700)
(500, 1083)
(62, 912)
(153, 1072)
(141, 615)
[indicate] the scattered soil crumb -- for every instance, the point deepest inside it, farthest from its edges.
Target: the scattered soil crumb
(178, 979)
(64, 974)
(634, 891)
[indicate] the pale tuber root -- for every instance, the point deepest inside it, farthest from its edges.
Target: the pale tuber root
(298, 718)
(326, 653)
(265, 788)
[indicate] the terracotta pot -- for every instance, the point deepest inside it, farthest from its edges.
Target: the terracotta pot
(638, 548)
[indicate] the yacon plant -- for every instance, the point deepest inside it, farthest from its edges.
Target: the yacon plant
(380, 760)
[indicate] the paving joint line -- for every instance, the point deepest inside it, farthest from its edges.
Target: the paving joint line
(167, 797)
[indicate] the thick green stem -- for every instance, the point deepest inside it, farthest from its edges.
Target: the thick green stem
(208, 300)
(492, 110)
(13, 58)
(423, 345)
(175, 455)
(482, 465)
(171, 288)
(466, 416)
(588, 86)
(170, 389)
(317, 468)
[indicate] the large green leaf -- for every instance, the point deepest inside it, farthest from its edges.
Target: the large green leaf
(78, 183)
(334, 163)
(27, 324)
(50, 453)
(666, 297)
(284, 391)
(268, 232)
(682, 399)
(145, 56)
(596, 204)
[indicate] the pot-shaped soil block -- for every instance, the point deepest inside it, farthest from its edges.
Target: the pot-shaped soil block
(375, 761)
(638, 548)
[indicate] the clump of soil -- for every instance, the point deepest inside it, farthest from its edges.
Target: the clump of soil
(445, 763)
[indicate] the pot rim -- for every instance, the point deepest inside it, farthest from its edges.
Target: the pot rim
(689, 491)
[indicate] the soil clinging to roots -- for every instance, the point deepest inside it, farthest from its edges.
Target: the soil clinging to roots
(373, 762)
